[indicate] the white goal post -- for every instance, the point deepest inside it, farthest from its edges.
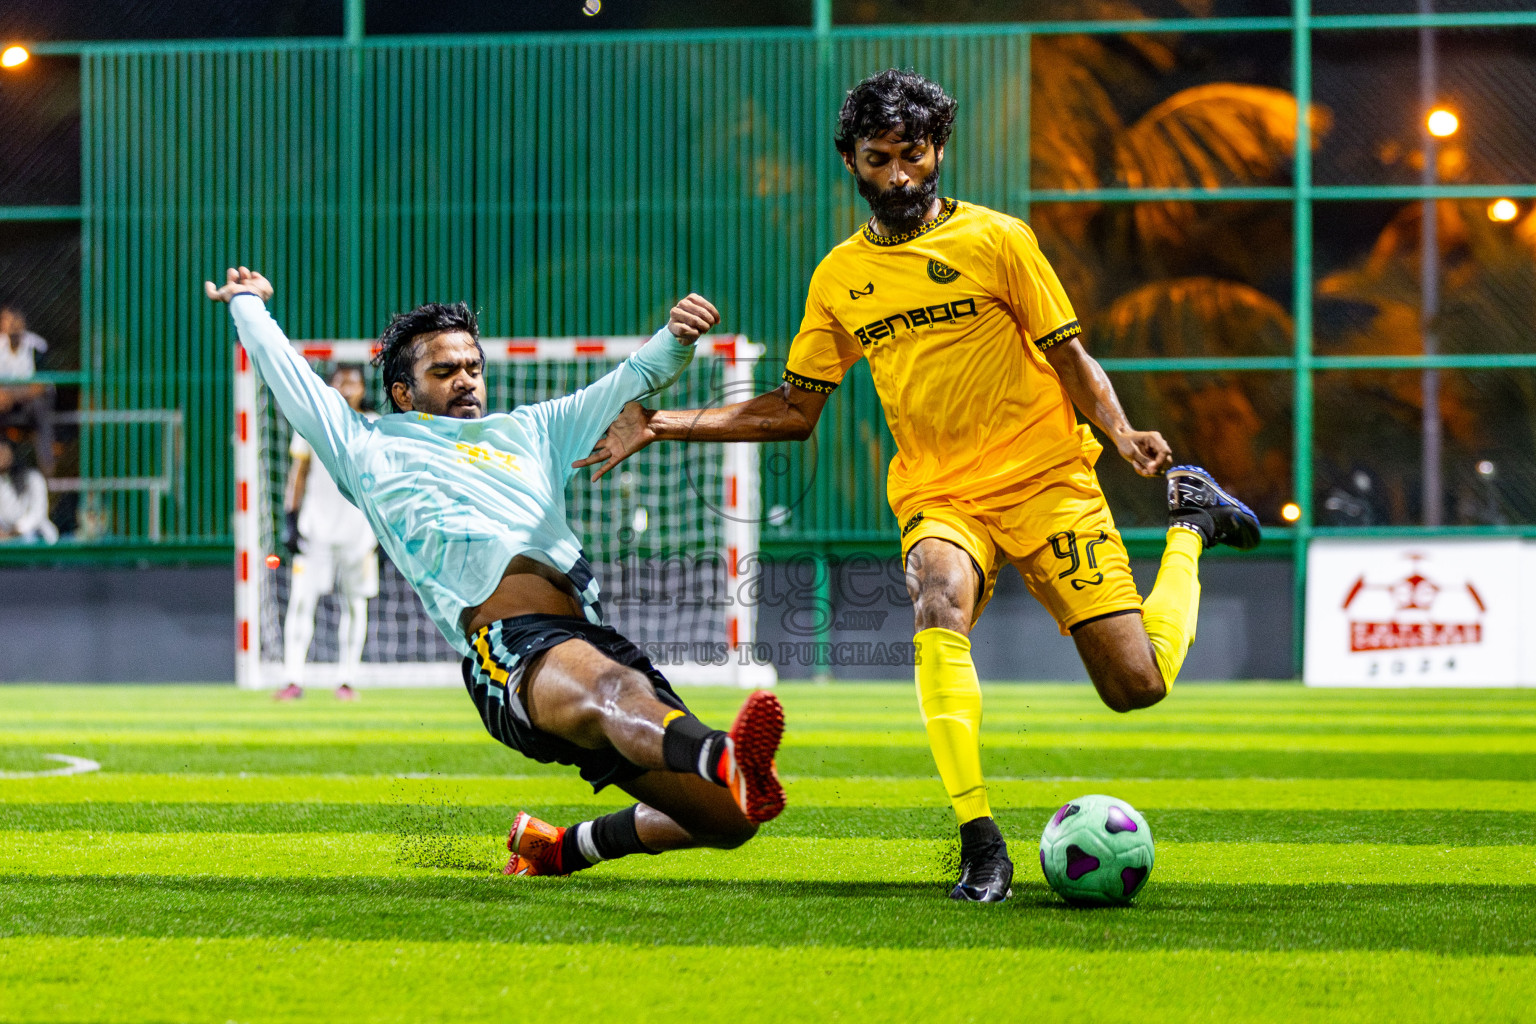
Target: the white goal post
(672, 534)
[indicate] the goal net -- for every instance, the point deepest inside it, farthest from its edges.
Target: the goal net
(671, 534)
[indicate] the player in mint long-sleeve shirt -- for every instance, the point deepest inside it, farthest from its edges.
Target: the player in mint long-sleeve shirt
(471, 509)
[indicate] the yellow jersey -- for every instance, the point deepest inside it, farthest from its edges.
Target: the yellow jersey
(954, 318)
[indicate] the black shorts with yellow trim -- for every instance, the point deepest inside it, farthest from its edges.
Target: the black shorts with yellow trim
(494, 674)
(1056, 530)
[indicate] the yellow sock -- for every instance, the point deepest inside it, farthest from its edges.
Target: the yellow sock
(950, 696)
(1173, 606)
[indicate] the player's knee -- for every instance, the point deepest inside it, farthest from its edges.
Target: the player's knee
(1147, 691)
(731, 835)
(591, 715)
(614, 687)
(1133, 690)
(936, 604)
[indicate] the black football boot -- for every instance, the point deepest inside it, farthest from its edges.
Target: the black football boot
(986, 873)
(1197, 501)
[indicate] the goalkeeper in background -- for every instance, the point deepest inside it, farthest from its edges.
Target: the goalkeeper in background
(333, 549)
(471, 509)
(974, 350)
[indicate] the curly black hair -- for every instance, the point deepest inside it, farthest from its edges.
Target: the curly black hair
(398, 350)
(891, 100)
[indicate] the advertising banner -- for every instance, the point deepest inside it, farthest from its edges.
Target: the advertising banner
(1435, 613)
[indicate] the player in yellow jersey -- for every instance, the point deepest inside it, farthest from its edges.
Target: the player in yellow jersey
(975, 352)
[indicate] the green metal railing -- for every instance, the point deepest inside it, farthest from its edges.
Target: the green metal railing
(576, 184)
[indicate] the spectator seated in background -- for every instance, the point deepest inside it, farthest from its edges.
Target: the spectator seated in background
(24, 402)
(23, 500)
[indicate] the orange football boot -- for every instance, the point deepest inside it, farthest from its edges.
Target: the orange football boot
(535, 847)
(747, 764)
(519, 866)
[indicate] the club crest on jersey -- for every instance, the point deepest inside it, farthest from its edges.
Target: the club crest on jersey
(942, 274)
(857, 293)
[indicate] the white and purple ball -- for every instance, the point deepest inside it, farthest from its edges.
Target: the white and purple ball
(1096, 851)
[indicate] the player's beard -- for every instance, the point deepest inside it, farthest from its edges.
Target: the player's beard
(461, 405)
(900, 210)
(465, 407)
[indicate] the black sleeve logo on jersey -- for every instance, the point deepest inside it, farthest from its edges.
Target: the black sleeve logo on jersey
(941, 274)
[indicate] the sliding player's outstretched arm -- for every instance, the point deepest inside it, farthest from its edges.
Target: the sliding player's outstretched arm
(316, 410)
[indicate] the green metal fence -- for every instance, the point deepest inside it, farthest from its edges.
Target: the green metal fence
(577, 185)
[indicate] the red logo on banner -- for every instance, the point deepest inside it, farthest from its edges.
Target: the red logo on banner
(1413, 596)
(1392, 636)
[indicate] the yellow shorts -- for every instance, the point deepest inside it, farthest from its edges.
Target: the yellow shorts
(1056, 530)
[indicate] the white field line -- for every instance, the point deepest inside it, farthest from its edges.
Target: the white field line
(72, 766)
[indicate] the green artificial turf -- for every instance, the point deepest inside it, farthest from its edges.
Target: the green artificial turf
(302, 980)
(1322, 855)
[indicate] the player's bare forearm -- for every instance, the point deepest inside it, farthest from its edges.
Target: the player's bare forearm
(1089, 388)
(1094, 396)
(787, 413)
(769, 417)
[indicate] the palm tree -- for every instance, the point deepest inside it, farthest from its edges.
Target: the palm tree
(1368, 421)
(1238, 425)
(1173, 278)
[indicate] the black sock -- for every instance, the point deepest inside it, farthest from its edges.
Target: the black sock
(570, 852)
(688, 745)
(979, 837)
(606, 838)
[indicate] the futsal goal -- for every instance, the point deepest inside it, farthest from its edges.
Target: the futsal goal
(672, 534)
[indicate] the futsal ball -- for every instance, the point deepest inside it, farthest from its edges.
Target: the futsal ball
(1096, 851)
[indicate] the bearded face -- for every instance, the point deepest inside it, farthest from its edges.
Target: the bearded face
(899, 178)
(901, 209)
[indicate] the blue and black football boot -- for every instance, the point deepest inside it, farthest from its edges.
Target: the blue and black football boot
(986, 873)
(1197, 501)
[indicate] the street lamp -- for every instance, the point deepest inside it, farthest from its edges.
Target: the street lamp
(1503, 210)
(14, 56)
(1442, 123)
